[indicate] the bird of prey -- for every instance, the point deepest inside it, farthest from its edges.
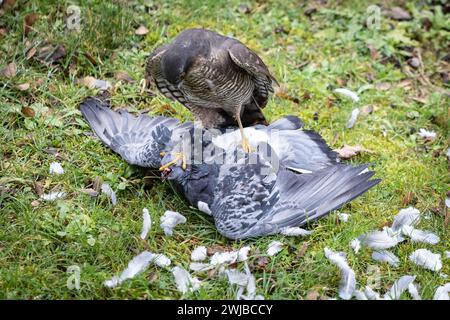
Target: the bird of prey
(220, 80)
(247, 194)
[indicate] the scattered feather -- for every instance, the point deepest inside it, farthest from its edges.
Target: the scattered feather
(351, 122)
(442, 292)
(386, 256)
(409, 217)
(161, 260)
(414, 291)
(135, 266)
(52, 196)
(200, 266)
(426, 259)
(417, 235)
(348, 278)
(295, 231)
(56, 168)
(360, 295)
(356, 245)
(274, 248)
(243, 253)
(169, 220)
(199, 254)
(237, 277)
(184, 281)
(370, 294)
(447, 254)
(146, 224)
(141, 31)
(427, 135)
(106, 189)
(348, 93)
(399, 287)
(379, 240)
(343, 217)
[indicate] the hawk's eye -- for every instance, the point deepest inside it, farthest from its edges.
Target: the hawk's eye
(182, 75)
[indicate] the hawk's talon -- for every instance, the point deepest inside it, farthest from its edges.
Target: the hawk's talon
(246, 146)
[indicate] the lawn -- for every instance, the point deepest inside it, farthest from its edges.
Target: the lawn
(311, 48)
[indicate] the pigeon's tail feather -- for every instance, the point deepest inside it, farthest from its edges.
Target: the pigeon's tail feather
(136, 139)
(287, 123)
(308, 197)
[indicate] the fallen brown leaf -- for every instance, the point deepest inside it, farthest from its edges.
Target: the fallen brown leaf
(23, 86)
(3, 31)
(28, 112)
(93, 83)
(302, 250)
(8, 4)
(409, 198)
(383, 86)
(374, 55)
(216, 248)
(10, 70)
(262, 262)
(38, 188)
(123, 76)
(366, 110)
(51, 53)
(31, 53)
(347, 152)
(90, 192)
(28, 22)
(141, 31)
(35, 203)
(398, 14)
(312, 295)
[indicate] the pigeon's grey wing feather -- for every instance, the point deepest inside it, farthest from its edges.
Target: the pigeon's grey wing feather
(303, 151)
(287, 123)
(138, 140)
(153, 69)
(249, 204)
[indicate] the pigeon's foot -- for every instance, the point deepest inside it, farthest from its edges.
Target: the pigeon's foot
(178, 156)
(246, 145)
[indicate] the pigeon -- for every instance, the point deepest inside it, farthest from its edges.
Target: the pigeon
(293, 177)
(218, 78)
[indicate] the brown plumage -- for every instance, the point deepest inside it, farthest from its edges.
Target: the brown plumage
(219, 79)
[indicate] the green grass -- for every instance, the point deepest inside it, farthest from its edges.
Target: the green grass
(310, 57)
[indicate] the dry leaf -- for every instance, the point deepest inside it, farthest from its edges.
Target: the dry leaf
(373, 52)
(29, 20)
(302, 250)
(23, 86)
(141, 31)
(31, 53)
(3, 31)
(347, 152)
(123, 76)
(35, 203)
(8, 4)
(312, 295)
(93, 83)
(398, 14)
(10, 70)
(90, 192)
(408, 198)
(51, 53)
(262, 262)
(366, 110)
(38, 188)
(28, 112)
(383, 86)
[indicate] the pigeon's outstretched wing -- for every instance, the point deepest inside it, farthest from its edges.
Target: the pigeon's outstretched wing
(138, 140)
(249, 203)
(304, 151)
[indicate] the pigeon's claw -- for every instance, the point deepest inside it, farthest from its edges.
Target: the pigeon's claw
(178, 156)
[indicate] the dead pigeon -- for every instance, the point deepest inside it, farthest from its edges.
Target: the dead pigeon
(247, 194)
